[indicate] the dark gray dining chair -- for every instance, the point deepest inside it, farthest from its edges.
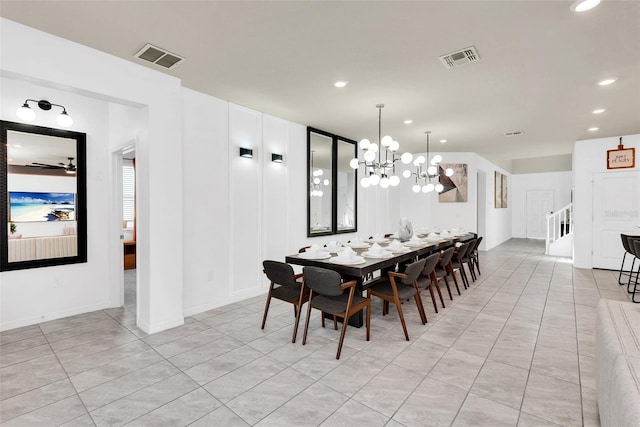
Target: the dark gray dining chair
(429, 279)
(285, 287)
(329, 295)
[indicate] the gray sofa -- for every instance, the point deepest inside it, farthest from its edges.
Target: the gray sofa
(618, 363)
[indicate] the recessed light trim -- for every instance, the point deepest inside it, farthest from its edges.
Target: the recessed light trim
(408, 122)
(340, 83)
(443, 141)
(607, 82)
(584, 5)
(593, 129)
(599, 111)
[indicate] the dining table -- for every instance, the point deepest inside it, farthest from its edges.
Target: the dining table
(363, 271)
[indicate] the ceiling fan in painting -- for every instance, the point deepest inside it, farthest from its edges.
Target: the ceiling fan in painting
(69, 168)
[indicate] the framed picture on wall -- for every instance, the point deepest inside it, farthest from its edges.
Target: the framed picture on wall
(505, 192)
(497, 189)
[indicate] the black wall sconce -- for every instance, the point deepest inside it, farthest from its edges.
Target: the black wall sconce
(277, 158)
(26, 113)
(246, 152)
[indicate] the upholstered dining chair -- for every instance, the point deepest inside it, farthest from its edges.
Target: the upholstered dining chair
(429, 278)
(635, 244)
(397, 287)
(445, 269)
(285, 287)
(329, 295)
(459, 259)
(474, 256)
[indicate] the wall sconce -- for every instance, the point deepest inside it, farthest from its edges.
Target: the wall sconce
(27, 114)
(277, 158)
(246, 152)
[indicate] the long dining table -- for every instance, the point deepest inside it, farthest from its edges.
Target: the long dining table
(359, 272)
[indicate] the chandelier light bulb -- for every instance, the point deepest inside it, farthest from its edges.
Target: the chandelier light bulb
(369, 156)
(320, 172)
(364, 182)
(64, 119)
(320, 193)
(26, 113)
(316, 180)
(384, 182)
(406, 173)
(374, 180)
(420, 160)
(354, 163)
(416, 163)
(449, 172)
(436, 159)
(406, 158)
(373, 147)
(326, 182)
(386, 141)
(394, 146)
(394, 180)
(430, 187)
(439, 187)
(415, 188)
(432, 170)
(364, 144)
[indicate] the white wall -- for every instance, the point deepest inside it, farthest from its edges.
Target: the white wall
(85, 81)
(498, 221)
(559, 182)
(589, 157)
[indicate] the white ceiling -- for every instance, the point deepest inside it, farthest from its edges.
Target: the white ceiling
(539, 65)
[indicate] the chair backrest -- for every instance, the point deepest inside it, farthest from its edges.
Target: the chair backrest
(470, 245)
(413, 270)
(625, 243)
(279, 272)
(430, 264)
(445, 256)
(477, 244)
(322, 281)
(636, 245)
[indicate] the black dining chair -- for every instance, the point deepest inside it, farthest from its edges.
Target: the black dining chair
(329, 295)
(445, 269)
(429, 279)
(397, 287)
(285, 287)
(474, 255)
(626, 244)
(459, 259)
(636, 252)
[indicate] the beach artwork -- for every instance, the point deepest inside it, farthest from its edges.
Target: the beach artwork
(36, 207)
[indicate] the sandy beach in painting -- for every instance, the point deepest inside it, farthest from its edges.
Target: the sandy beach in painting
(34, 213)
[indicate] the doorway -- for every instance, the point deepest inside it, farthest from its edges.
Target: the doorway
(539, 204)
(129, 227)
(482, 206)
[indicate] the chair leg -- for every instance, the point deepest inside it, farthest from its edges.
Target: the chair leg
(335, 323)
(473, 274)
(621, 268)
(306, 323)
(455, 281)
(434, 281)
(423, 315)
(633, 262)
(446, 282)
(369, 321)
(266, 307)
(404, 325)
(345, 321)
(298, 308)
(433, 298)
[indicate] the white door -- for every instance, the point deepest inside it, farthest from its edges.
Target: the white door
(616, 206)
(539, 204)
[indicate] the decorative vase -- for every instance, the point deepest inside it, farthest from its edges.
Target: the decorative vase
(406, 230)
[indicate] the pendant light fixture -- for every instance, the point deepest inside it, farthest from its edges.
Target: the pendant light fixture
(427, 177)
(378, 168)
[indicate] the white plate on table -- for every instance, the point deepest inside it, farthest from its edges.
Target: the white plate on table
(353, 261)
(334, 250)
(380, 255)
(305, 255)
(378, 240)
(415, 244)
(361, 245)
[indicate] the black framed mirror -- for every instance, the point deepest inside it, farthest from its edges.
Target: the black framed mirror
(43, 187)
(331, 184)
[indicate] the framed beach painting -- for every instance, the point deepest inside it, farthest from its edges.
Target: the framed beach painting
(27, 206)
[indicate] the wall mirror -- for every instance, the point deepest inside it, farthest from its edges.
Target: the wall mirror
(43, 191)
(331, 189)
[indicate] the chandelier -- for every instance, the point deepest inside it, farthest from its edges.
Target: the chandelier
(424, 174)
(378, 168)
(316, 180)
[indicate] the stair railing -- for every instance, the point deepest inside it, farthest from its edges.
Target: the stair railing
(559, 224)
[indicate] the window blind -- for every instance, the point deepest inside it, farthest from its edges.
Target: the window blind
(128, 191)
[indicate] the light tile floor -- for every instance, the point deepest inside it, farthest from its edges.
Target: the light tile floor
(517, 348)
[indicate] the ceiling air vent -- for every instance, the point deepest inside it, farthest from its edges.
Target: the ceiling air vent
(159, 56)
(516, 133)
(460, 57)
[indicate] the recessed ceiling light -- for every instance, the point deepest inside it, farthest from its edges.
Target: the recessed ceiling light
(408, 122)
(599, 111)
(443, 141)
(593, 129)
(340, 83)
(17, 145)
(584, 5)
(606, 82)
(10, 160)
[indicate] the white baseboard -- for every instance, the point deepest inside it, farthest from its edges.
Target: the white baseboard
(53, 316)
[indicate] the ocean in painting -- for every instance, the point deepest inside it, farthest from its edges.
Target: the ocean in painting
(34, 207)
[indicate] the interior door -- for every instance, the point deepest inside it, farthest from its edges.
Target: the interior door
(616, 205)
(539, 204)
